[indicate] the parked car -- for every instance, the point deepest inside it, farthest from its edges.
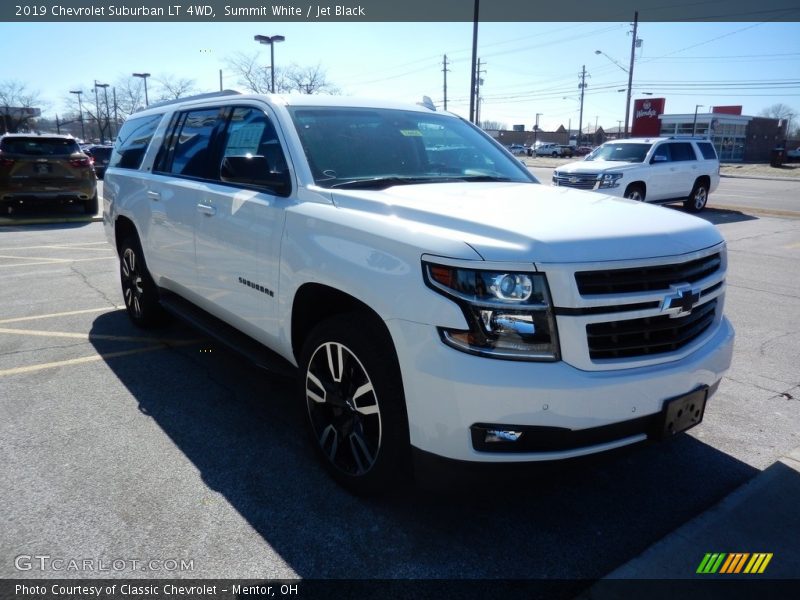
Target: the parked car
(793, 155)
(518, 149)
(435, 302)
(583, 150)
(662, 170)
(100, 156)
(567, 151)
(36, 169)
(548, 150)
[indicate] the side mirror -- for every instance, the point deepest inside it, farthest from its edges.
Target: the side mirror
(253, 170)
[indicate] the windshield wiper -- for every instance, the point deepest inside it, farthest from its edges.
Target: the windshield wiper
(379, 183)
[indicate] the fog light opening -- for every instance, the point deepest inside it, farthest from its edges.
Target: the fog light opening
(501, 435)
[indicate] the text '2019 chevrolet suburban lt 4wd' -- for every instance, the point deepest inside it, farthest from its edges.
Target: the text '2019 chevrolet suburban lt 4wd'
(659, 170)
(435, 301)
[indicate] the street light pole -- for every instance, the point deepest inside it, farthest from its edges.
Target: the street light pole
(536, 131)
(694, 123)
(80, 112)
(144, 76)
(271, 40)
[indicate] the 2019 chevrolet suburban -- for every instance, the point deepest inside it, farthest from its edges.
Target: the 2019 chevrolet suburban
(433, 299)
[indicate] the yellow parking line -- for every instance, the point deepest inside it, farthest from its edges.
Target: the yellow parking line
(84, 359)
(60, 314)
(57, 261)
(91, 336)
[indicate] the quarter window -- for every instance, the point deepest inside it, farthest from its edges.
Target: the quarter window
(708, 150)
(132, 142)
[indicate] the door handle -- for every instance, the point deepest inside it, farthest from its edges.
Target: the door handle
(206, 209)
(154, 196)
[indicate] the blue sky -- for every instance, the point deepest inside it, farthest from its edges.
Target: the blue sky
(530, 67)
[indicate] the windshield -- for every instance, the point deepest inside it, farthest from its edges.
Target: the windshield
(371, 147)
(633, 153)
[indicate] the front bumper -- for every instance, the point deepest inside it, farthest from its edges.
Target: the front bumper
(448, 392)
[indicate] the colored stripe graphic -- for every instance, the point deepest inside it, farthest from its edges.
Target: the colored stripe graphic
(711, 562)
(732, 563)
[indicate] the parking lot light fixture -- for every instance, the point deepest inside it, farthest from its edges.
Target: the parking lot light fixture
(80, 112)
(144, 76)
(271, 41)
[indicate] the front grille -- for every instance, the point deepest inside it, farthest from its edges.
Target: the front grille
(582, 181)
(649, 335)
(645, 279)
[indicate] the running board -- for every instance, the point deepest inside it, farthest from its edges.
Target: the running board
(258, 354)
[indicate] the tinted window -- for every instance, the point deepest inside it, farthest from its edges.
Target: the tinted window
(682, 151)
(39, 146)
(707, 149)
(192, 151)
(132, 142)
(251, 132)
(661, 154)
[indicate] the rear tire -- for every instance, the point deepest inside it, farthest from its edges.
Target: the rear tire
(698, 199)
(352, 397)
(138, 289)
(91, 206)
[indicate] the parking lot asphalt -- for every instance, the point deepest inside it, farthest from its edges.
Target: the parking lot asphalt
(120, 443)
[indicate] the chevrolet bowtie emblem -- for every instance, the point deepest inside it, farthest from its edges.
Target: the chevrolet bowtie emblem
(681, 303)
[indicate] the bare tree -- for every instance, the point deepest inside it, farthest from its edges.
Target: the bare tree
(15, 94)
(173, 87)
(253, 75)
(778, 111)
(493, 125)
(310, 80)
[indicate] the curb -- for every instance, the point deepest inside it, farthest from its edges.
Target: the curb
(765, 177)
(759, 516)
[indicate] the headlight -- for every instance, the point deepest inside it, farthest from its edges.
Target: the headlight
(509, 314)
(608, 180)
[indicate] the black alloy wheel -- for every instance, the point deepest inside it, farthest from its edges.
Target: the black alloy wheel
(138, 289)
(354, 403)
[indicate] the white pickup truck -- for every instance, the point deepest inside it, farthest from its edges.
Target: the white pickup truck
(435, 302)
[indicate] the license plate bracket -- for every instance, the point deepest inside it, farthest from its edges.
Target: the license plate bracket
(683, 412)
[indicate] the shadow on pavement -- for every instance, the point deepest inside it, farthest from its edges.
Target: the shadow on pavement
(718, 216)
(575, 521)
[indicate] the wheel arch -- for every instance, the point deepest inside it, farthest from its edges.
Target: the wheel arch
(316, 302)
(123, 229)
(637, 183)
(704, 180)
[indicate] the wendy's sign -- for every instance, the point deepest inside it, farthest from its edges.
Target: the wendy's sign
(645, 117)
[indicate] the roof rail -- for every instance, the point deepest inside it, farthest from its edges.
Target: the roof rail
(688, 136)
(190, 98)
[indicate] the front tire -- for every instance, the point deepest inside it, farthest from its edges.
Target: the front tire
(352, 396)
(138, 289)
(635, 192)
(698, 199)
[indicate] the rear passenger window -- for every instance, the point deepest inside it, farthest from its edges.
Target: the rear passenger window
(191, 152)
(132, 142)
(707, 149)
(682, 151)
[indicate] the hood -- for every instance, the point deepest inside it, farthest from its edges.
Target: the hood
(596, 166)
(525, 222)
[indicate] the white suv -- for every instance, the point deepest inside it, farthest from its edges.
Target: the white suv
(660, 170)
(434, 301)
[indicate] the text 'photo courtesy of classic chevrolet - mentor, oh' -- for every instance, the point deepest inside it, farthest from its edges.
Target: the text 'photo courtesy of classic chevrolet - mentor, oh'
(434, 301)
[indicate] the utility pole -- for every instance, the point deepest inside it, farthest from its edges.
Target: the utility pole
(445, 70)
(478, 83)
(581, 86)
(630, 71)
(473, 65)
